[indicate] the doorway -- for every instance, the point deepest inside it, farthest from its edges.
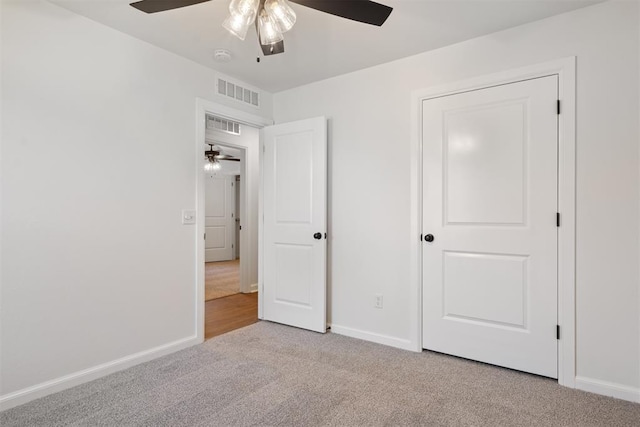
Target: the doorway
(227, 218)
(226, 306)
(222, 221)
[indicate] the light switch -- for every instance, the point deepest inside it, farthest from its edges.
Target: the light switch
(188, 217)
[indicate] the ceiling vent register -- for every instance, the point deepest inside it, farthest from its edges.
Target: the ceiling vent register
(238, 93)
(222, 125)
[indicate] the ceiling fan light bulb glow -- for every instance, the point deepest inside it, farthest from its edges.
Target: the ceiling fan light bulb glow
(246, 8)
(281, 13)
(212, 165)
(237, 25)
(269, 32)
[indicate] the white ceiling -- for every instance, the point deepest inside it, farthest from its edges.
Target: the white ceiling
(320, 45)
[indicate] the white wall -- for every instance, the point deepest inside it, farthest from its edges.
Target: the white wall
(370, 133)
(98, 160)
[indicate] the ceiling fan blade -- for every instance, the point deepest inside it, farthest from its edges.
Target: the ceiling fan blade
(228, 159)
(368, 12)
(272, 49)
(153, 6)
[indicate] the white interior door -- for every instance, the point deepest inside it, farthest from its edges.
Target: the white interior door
(219, 218)
(294, 224)
(490, 202)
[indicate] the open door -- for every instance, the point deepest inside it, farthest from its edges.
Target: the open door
(294, 226)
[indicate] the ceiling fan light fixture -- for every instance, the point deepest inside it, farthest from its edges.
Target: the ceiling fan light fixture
(212, 164)
(246, 8)
(242, 13)
(281, 13)
(237, 25)
(268, 29)
(276, 17)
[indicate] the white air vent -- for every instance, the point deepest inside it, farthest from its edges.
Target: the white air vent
(223, 125)
(238, 92)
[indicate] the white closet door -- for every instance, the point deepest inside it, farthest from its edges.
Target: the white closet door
(490, 202)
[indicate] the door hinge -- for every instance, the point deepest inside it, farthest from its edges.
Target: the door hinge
(558, 106)
(205, 236)
(240, 227)
(421, 237)
(557, 332)
(232, 246)
(557, 219)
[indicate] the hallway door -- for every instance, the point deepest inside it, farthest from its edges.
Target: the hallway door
(219, 217)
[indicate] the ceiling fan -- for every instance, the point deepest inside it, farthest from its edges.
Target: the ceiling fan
(214, 157)
(275, 17)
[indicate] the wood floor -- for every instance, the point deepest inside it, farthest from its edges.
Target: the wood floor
(221, 279)
(223, 315)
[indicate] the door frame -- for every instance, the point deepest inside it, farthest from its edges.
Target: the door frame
(565, 69)
(204, 107)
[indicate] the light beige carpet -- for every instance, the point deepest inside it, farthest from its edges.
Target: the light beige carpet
(273, 375)
(221, 279)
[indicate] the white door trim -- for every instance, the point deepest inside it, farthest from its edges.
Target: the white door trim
(565, 69)
(204, 107)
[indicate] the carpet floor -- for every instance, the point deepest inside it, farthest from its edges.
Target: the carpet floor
(221, 279)
(272, 375)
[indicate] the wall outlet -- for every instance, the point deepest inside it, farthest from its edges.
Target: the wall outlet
(378, 301)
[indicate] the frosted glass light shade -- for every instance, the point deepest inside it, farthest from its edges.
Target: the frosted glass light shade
(281, 13)
(247, 8)
(269, 32)
(237, 25)
(212, 165)
(242, 15)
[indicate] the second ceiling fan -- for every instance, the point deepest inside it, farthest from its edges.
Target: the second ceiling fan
(213, 157)
(272, 18)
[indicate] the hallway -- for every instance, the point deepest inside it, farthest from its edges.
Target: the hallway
(223, 315)
(221, 279)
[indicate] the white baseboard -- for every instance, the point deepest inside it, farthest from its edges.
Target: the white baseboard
(37, 391)
(253, 287)
(606, 388)
(373, 337)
